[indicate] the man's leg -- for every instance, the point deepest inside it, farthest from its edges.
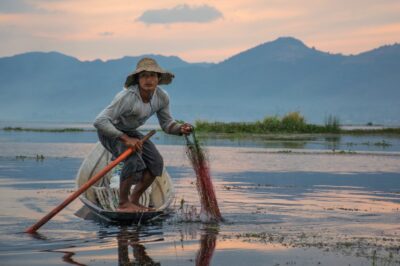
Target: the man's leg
(154, 167)
(124, 203)
(141, 187)
(133, 165)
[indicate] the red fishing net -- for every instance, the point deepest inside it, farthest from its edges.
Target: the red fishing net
(209, 205)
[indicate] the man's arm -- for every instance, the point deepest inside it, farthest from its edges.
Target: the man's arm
(167, 123)
(112, 113)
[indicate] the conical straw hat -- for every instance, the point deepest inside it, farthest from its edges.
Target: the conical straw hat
(151, 65)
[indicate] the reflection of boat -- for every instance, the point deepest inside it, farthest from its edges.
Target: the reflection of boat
(159, 196)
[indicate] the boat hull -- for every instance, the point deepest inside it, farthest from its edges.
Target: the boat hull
(161, 196)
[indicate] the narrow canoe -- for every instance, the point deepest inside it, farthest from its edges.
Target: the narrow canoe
(160, 196)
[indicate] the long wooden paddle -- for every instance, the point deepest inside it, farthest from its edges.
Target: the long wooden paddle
(85, 186)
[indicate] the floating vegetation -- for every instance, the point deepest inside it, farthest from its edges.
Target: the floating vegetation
(284, 151)
(53, 130)
(38, 157)
(351, 144)
(382, 143)
(292, 122)
(186, 213)
(251, 187)
(332, 124)
(373, 131)
(344, 152)
(381, 250)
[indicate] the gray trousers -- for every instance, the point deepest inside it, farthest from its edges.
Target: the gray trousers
(150, 158)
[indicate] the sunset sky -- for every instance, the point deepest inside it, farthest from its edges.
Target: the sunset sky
(208, 31)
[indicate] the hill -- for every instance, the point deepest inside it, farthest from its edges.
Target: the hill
(271, 78)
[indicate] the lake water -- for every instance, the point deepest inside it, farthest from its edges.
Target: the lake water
(285, 200)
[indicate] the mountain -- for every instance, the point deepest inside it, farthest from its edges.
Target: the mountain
(270, 79)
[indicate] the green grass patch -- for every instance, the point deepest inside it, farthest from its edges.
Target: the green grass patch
(292, 122)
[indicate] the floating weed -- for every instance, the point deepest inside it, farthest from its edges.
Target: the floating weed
(52, 130)
(382, 143)
(350, 209)
(344, 152)
(252, 187)
(351, 144)
(38, 157)
(381, 250)
(186, 213)
(344, 244)
(292, 122)
(284, 151)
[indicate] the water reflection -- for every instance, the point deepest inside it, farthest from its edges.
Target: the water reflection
(67, 255)
(208, 242)
(332, 142)
(307, 198)
(33, 143)
(130, 238)
(67, 258)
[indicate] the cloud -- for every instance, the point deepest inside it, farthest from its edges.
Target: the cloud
(106, 33)
(13, 6)
(181, 14)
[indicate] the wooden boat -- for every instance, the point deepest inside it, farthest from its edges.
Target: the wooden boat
(159, 196)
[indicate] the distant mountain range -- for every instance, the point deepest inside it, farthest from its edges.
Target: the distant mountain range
(270, 79)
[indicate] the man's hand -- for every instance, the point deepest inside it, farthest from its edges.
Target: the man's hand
(132, 142)
(186, 128)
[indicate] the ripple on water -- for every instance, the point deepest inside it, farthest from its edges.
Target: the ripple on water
(278, 208)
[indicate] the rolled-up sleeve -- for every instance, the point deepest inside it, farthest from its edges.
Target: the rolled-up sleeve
(111, 115)
(167, 123)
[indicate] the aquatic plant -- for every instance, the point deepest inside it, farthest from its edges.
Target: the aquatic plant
(332, 124)
(389, 131)
(53, 130)
(382, 143)
(38, 157)
(292, 122)
(185, 212)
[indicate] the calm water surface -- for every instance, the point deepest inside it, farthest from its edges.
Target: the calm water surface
(280, 208)
(347, 143)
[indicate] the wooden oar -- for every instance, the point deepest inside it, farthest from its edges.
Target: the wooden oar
(85, 186)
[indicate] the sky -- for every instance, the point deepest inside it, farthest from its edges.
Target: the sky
(196, 31)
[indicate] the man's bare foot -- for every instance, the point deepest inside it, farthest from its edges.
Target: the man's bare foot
(130, 207)
(135, 201)
(150, 209)
(144, 207)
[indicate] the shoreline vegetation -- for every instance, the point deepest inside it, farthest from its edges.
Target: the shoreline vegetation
(52, 130)
(291, 123)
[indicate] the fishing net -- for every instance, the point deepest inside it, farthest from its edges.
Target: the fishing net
(209, 205)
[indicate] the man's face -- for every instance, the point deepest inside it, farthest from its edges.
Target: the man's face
(148, 81)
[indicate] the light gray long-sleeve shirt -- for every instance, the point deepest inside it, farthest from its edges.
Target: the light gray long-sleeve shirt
(128, 112)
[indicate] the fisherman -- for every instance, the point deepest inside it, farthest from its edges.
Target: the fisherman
(117, 129)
